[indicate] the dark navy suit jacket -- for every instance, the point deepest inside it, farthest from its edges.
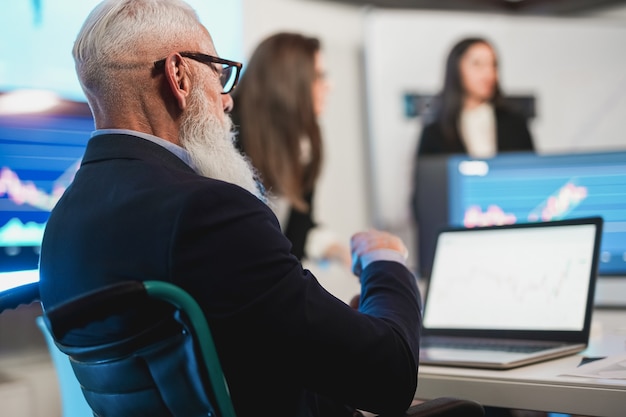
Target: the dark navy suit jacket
(136, 211)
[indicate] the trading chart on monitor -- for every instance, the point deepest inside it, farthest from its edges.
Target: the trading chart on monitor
(515, 188)
(39, 156)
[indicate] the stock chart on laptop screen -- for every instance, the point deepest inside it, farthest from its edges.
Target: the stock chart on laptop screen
(524, 187)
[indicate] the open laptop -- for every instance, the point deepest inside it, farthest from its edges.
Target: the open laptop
(505, 296)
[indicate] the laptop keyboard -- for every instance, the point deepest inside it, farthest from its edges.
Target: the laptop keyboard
(513, 346)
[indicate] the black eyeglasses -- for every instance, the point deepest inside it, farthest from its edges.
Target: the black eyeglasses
(228, 77)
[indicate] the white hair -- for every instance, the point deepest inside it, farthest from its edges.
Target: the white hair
(120, 33)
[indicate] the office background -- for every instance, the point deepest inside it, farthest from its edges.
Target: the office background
(366, 176)
(570, 64)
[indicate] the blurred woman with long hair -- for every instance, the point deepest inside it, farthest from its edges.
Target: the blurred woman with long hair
(277, 104)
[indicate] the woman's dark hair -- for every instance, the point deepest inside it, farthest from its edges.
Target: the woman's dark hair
(274, 111)
(450, 100)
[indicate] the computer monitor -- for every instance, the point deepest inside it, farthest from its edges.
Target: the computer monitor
(39, 154)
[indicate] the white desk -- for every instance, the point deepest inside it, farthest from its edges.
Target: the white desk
(539, 387)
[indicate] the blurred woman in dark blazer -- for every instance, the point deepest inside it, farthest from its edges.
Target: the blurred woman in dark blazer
(470, 116)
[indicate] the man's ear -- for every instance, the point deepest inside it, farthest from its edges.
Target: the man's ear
(178, 78)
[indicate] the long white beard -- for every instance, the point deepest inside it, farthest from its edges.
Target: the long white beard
(210, 143)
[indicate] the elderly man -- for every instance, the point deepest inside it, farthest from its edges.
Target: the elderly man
(163, 194)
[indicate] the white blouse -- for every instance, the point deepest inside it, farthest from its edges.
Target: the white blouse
(478, 131)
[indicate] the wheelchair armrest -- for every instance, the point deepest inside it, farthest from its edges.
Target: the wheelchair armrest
(23, 295)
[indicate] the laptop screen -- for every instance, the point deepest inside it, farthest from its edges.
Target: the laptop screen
(535, 276)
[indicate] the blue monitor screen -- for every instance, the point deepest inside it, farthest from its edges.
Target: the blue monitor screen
(39, 155)
(514, 188)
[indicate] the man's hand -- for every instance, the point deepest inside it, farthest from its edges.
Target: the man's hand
(375, 245)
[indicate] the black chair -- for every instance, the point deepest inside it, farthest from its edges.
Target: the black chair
(169, 369)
